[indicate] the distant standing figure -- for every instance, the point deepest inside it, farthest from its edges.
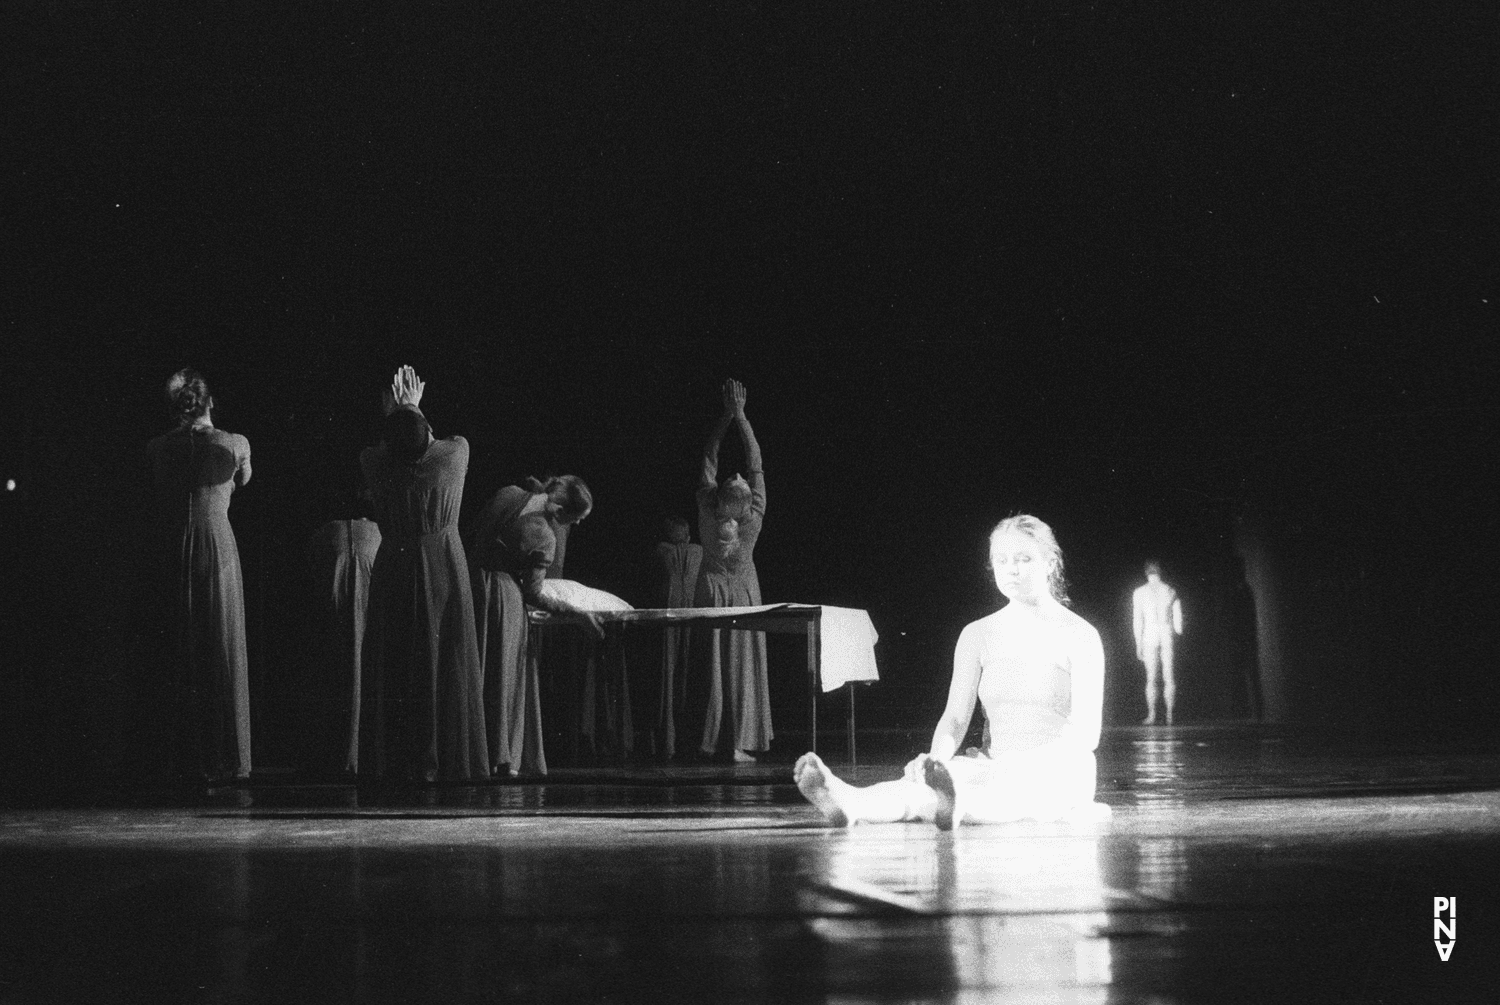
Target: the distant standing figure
(342, 558)
(678, 562)
(729, 522)
(421, 711)
(197, 467)
(1244, 647)
(1157, 621)
(517, 541)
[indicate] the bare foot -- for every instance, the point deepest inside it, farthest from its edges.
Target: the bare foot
(815, 780)
(1150, 720)
(935, 775)
(743, 757)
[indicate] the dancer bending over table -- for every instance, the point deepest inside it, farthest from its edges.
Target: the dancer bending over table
(1038, 670)
(515, 544)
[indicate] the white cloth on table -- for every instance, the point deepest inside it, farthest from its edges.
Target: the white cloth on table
(584, 598)
(848, 639)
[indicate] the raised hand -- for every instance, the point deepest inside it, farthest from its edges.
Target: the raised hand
(734, 399)
(406, 389)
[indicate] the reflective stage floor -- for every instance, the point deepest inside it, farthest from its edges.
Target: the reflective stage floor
(1239, 865)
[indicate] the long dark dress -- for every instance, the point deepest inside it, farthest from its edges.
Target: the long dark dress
(734, 661)
(196, 470)
(421, 711)
(677, 566)
(513, 553)
(342, 556)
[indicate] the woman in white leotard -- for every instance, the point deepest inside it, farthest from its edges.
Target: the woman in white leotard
(1038, 670)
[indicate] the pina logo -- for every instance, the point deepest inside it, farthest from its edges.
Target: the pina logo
(1444, 929)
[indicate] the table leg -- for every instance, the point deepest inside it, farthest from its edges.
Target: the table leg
(852, 762)
(812, 684)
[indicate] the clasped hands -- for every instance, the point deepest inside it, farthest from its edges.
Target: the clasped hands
(734, 399)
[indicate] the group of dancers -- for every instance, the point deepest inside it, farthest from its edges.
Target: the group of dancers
(444, 689)
(434, 619)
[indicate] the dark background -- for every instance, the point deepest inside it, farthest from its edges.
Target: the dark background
(1186, 280)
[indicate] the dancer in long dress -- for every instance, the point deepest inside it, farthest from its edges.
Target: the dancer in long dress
(197, 468)
(341, 559)
(1242, 641)
(729, 523)
(677, 563)
(1038, 670)
(516, 542)
(421, 706)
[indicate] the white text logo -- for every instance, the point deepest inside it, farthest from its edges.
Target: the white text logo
(1444, 929)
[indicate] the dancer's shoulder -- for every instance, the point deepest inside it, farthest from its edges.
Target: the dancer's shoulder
(450, 445)
(988, 625)
(992, 620)
(1077, 627)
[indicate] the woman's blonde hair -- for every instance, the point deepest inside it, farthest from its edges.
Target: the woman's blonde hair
(1038, 531)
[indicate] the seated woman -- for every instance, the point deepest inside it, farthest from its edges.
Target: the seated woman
(1038, 670)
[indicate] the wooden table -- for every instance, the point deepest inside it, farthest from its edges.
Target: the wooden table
(797, 619)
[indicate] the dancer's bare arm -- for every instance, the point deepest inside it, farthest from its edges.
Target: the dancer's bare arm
(1086, 667)
(962, 693)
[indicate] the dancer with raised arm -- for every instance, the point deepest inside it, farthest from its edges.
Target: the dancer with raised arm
(516, 542)
(729, 522)
(197, 468)
(421, 710)
(1038, 671)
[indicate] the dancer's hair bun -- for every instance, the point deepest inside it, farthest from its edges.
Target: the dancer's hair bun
(187, 395)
